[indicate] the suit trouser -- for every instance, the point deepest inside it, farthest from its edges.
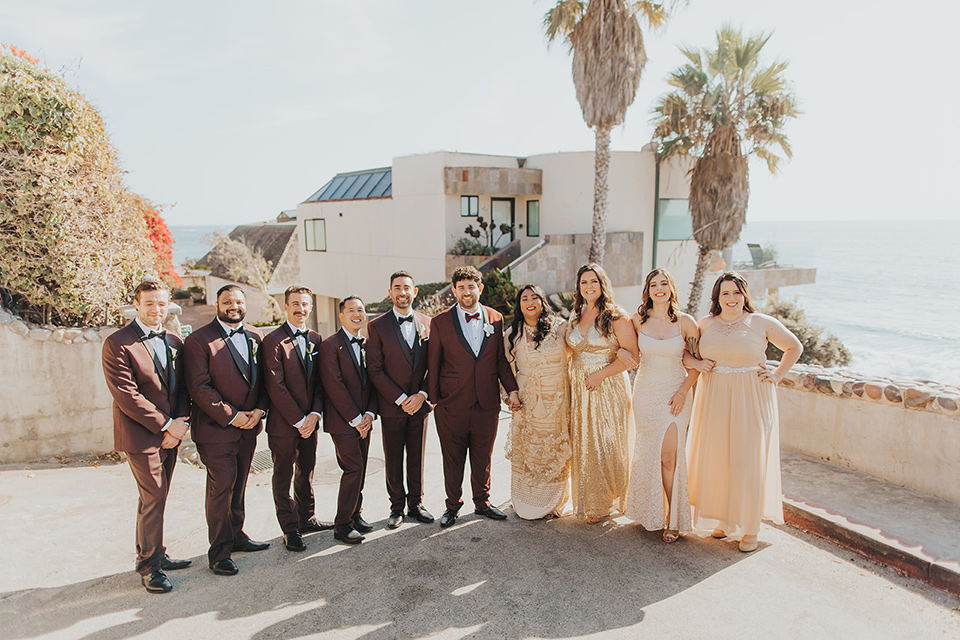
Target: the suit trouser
(228, 465)
(462, 432)
(153, 472)
(293, 459)
(408, 432)
(352, 458)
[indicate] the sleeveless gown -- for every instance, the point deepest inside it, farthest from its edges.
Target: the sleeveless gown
(660, 375)
(734, 435)
(538, 446)
(600, 424)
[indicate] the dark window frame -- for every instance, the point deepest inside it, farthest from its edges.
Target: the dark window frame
(307, 236)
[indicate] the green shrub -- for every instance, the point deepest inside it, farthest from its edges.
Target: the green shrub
(499, 291)
(470, 247)
(819, 345)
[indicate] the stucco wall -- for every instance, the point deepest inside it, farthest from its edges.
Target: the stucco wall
(54, 398)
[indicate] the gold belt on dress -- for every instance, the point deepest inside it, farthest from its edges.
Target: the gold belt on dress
(722, 369)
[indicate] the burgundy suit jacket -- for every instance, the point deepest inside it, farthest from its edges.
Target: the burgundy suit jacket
(143, 398)
(346, 394)
(293, 383)
(394, 368)
(456, 378)
(221, 384)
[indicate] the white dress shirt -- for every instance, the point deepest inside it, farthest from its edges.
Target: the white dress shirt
(300, 342)
(239, 341)
(356, 351)
(409, 332)
(160, 349)
(473, 331)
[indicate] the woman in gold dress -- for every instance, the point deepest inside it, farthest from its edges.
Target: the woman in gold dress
(538, 446)
(734, 429)
(600, 413)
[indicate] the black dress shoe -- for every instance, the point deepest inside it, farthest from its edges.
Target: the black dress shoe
(226, 567)
(313, 524)
(492, 512)
(172, 565)
(156, 582)
(250, 545)
(349, 536)
(294, 541)
(362, 525)
(395, 520)
(448, 518)
(420, 514)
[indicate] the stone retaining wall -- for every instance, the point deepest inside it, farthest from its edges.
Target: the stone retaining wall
(898, 429)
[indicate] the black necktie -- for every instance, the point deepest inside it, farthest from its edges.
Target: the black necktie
(156, 334)
(403, 319)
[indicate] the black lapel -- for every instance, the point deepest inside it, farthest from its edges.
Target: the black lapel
(400, 339)
(254, 369)
(353, 356)
(237, 359)
(455, 316)
(304, 359)
(309, 356)
(486, 338)
(161, 373)
(417, 341)
(171, 367)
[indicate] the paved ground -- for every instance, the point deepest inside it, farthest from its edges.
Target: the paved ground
(66, 558)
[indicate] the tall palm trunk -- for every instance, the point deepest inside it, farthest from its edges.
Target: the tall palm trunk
(601, 168)
(696, 287)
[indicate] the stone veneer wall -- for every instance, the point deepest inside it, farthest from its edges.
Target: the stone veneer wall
(54, 398)
(554, 266)
(901, 430)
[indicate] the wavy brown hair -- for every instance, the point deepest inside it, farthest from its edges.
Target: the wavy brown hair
(609, 311)
(673, 306)
(544, 322)
(737, 279)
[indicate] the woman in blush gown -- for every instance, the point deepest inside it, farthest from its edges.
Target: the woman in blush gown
(657, 497)
(538, 445)
(735, 431)
(600, 415)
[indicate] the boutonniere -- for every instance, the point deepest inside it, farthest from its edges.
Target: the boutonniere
(310, 348)
(253, 348)
(173, 354)
(488, 329)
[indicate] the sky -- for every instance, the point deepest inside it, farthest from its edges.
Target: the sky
(226, 113)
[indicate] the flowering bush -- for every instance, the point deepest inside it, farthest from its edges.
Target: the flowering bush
(73, 240)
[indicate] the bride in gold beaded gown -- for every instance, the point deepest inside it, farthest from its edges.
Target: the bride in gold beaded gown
(538, 445)
(735, 429)
(601, 419)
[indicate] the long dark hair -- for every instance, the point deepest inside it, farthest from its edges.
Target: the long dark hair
(737, 279)
(673, 306)
(609, 311)
(544, 322)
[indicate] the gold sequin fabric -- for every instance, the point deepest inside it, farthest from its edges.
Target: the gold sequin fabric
(600, 424)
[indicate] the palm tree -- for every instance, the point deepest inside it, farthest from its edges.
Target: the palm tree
(725, 109)
(608, 59)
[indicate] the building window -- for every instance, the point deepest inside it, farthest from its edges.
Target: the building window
(469, 206)
(675, 222)
(533, 218)
(315, 233)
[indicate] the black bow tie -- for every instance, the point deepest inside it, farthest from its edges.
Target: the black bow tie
(472, 316)
(299, 334)
(234, 332)
(156, 334)
(358, 341)
(403, 319)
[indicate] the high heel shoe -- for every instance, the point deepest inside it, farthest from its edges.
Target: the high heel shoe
(670, 536)
(748, 544)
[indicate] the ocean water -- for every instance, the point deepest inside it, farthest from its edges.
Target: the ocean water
(889, 290)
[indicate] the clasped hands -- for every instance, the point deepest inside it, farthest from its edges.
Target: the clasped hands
(412, 403)
(365, 425)
(247, 419)
(174, 434)
(513, 401)
(308, 426)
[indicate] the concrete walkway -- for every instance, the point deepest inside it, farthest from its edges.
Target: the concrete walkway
(66, 558)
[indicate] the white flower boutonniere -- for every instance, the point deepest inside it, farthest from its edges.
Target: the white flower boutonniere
(173, 354)
(488, 329)
(253, 349)
(310, 348)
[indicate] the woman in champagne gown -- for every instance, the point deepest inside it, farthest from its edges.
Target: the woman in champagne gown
(600, 414)
(734, 434)
(538, 446)
(657, 497)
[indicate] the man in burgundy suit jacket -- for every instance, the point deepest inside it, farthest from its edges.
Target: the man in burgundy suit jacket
(223, 367)
(296, 402)
(467, 365)
(397, 360)
(150, 413)
(349, 409)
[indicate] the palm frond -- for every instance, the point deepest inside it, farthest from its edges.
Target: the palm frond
(560, 20)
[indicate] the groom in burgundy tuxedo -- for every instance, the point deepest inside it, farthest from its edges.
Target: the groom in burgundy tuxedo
(397, 360)
(151, 409)
(466, 366)
(296, 405)
(224, 372)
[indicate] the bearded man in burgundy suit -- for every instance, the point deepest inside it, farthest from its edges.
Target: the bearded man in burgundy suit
(466, 366)
(151, 410)
(224, 372)
(397, 362)
(296, 402)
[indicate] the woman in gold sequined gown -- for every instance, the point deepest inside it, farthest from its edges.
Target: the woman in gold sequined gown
(734, 429)
(601, 418)
(538, 445)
